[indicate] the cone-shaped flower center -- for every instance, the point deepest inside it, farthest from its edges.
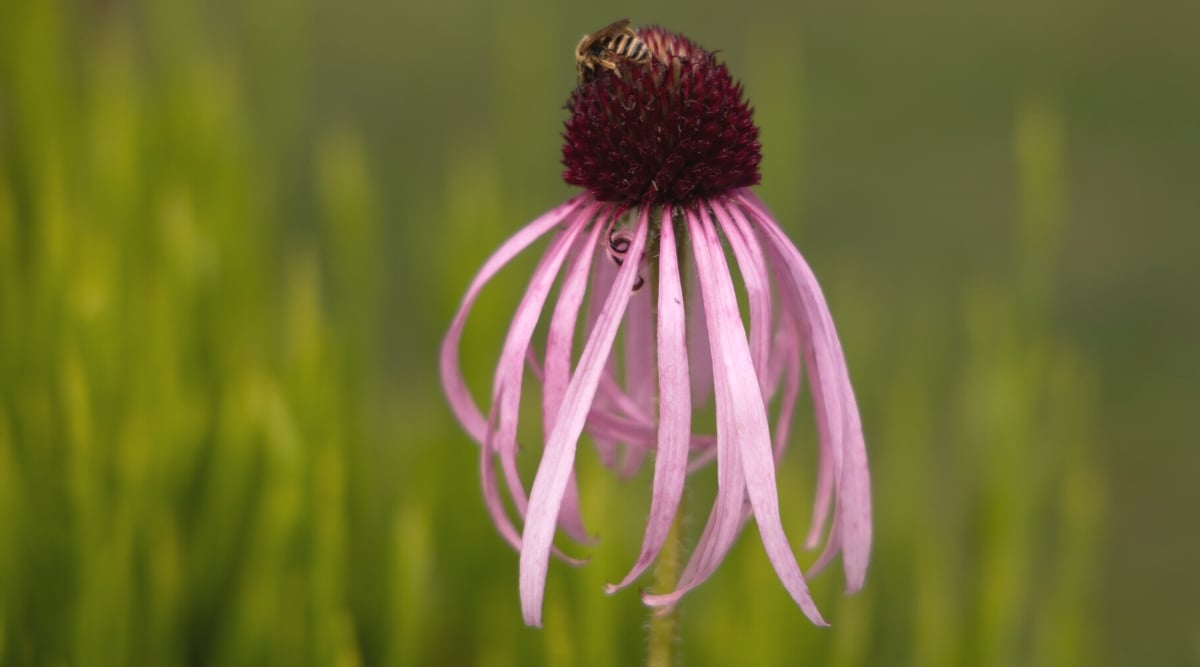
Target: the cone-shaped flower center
(668, 131)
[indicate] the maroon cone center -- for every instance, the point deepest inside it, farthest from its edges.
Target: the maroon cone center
(669, 131)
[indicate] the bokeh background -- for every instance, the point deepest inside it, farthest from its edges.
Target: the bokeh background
(233, 233)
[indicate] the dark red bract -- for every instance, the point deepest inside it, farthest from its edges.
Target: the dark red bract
(670, 131)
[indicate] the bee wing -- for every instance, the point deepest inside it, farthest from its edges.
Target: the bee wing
(614, 27)
(610, 30)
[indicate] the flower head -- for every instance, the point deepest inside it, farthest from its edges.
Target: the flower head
(665, 150)
(672, 131)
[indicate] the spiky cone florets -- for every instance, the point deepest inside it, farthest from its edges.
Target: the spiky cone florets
(669, 131)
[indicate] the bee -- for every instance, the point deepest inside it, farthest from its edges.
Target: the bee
(603, 48)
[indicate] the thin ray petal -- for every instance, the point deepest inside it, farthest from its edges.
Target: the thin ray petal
(559, 342)
(561, 335)
(459, 396)
(675, 409)
(640, 432)
(491, 491)
(510, 370)
(559, 456)
(783, 360)
(825, 390)
(745, 420)
(493, 502)
(724, 522)
(698, 344)
(758, 289)
(789, 361)
(639, 370)
(602, 279)
(852, 514)
(639, 351)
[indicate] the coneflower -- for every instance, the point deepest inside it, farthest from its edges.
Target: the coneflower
(665, 151)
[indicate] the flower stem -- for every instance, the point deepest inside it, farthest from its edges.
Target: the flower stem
(664, 623)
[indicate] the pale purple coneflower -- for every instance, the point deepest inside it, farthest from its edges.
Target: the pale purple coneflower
(666, 151)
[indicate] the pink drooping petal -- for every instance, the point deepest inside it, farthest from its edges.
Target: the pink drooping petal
(752, 266)
(724, 522)
(758, 289)
(675, 407)
(602, 424)
(491, 491)
(639, 435)
(852, 515)
(789, 361)
(826, 394)
(851, 531)
(826, 477)
(617, 400)
(559, 342)
(813, 317)
(511, 367)
(491, 494)
(618, 427)
(636, 402)
(742, 416)
(602, 279)
(459, 396)
(855, 506)
(701, 460)
(832, 545)
(785, 356)
(783, 360)
(561, 335)
(639, 370)
(698, 345)
(632, 458)
(570, 515)
(787, 338)
(829, 456)
(558, 458)
(639, 351)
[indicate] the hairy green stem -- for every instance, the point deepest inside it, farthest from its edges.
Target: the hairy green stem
(664, 624)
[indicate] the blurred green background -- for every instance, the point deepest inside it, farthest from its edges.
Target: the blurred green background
(233, 233)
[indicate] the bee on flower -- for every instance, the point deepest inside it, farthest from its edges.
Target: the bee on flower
(665, 150)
